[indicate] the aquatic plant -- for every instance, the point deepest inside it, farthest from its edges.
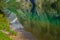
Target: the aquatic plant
(44, 25)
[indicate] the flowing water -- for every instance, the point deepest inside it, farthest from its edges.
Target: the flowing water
(45, 25)
(17, 26)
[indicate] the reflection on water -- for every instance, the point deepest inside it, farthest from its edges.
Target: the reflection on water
(33, 6)
(45, 26)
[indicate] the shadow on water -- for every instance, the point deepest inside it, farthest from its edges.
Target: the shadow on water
(33, 6)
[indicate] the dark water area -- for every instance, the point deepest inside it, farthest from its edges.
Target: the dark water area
(1, 12)
(33, 6)
(54, 5)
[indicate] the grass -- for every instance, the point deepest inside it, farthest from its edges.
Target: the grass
(4, 36)
(13, 32)
(4, 25)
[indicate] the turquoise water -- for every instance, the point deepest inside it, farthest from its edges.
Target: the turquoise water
(41, 24)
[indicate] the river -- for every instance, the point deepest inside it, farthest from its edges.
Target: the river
(17, 26)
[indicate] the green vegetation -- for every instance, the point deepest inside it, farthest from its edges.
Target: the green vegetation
(13, 32)
(4, 36)
(4, 26)
(44, 25)
(4, 23)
